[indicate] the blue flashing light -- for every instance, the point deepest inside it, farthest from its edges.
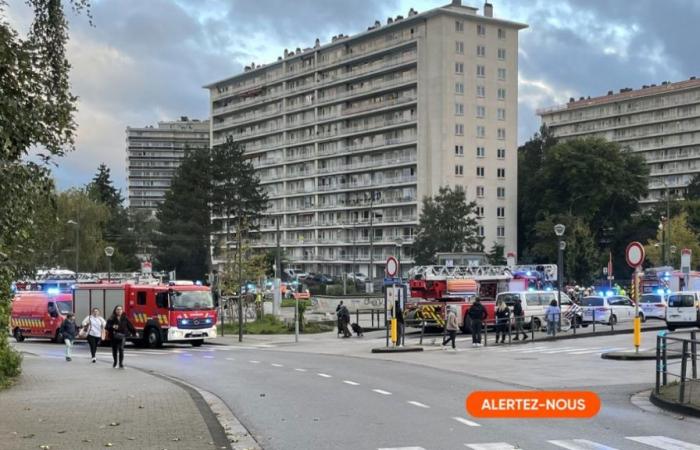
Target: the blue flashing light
(609, 294)
(660, 291)
(207, 320)
(548, 288)
(185, 321)
(531, 289)
(198, 283)
(53, 291)
(528, 273)
(600, 293)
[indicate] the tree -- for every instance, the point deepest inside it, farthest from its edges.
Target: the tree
(692, 191)
(496, 256)
(102, 190)
(36, 111)
(682, 236)
(252, 269)
(447, 223)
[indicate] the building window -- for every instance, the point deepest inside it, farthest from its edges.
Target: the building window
(500, 231)
(480, 30)
(459, 170)
(480, 131)
(501, 93)
(459, 26)
(501, 173)
(459, 67)
(459, 109)
(480, 191)
(480, 152)
(480, 111)
(501, 114)
(459, 129)
(501, 133)
(501, 212)
(459, 150)
(501, 53)
(481, 230)
(459, 87)
(479, 211)
(480, 50)
(480, 71)
(501, 192)
(480, 91)
(459, 47)
(501, 33)
(480, 171)
(501, 74)
(501, 153)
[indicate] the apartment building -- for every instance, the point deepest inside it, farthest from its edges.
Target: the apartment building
(661, 122)
(349, 136)
(153, 154)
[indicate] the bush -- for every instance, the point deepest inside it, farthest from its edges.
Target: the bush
(268, 324)
(319, 327)
(10, 365)
(318, 289)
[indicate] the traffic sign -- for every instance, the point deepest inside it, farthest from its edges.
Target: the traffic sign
(392, 267)
(634, 254)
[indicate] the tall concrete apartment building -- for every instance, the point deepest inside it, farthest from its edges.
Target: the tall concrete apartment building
(153, 154)
(349, 137)
(662, 123)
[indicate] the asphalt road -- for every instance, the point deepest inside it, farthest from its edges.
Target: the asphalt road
(295, 400)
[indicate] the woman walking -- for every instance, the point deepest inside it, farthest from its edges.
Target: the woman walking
(69, 330)
(95, 327)
(502, 319)
(552, 315)
(119, 328)
(451, 327)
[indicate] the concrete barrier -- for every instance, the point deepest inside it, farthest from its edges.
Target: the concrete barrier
(325, 304)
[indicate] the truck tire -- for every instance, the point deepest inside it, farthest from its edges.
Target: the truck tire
(151, 338)
(19, 337)
(197, 343)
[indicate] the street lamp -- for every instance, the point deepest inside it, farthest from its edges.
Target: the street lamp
(399, 243)
(77, 246)
(559, 231)
(109, 251)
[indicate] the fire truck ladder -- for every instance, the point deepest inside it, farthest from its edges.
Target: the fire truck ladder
(455, 272)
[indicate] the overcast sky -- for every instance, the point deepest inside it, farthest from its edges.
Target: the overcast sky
(146, 61)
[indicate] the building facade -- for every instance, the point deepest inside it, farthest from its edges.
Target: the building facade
(153, 155)
(350, 136)
(662, 123)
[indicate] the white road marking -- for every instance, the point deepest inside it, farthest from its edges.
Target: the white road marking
(380, 391)
(300, 370)
(324, 375)
(598, 350)
(492, 446)
(570, 350)
(418, 404)
(580, 444)
(565, 349)
(663, 442)
(276, 365)
(401, 448)
(252, 361)
(230, 359)
(208, 356)
(351, 383)
(466, 422)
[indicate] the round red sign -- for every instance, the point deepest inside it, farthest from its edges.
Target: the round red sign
(634, 254)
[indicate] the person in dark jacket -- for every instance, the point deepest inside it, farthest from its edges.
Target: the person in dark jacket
(118, 329)
(477, 315)
(69, 331)
(344, 321)
(502, 319)
(519, 315)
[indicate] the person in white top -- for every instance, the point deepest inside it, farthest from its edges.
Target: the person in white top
(94, 326)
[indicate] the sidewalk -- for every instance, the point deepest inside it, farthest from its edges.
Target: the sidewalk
(78, 405)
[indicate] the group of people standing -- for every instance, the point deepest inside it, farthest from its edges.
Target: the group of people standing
(96, 329)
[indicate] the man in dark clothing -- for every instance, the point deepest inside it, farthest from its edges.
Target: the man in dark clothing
(519, 315)
(69, 331)
(477, 314)
(344, 316)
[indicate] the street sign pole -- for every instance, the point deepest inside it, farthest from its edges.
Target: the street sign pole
(634, 254)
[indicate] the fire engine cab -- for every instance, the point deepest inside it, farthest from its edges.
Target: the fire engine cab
(179, 312)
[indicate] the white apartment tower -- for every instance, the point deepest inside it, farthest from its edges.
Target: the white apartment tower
(662, 123)
(153, 155)
(348, 137)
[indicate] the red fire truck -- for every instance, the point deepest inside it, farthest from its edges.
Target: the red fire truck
(178, 312)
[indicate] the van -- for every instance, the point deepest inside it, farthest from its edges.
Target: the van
(683, 310)
(39, 315)
(535, 304)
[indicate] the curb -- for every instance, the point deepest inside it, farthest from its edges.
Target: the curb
(397, 349)
(632, 356)
(674, 407)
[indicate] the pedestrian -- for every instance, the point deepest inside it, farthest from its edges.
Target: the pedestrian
(477, 314)
(344, 315)
(451, 326)
(519, 315)
(94, 327)
(552, 315)
(119, 328)
(502, 319)
(339, 318)
(69, 330)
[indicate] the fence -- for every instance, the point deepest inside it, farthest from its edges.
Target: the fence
(675, 381)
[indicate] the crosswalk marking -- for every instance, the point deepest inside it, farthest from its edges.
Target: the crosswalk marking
(580, 444)
(551, 352)
(492, 446)
(324, 375)
(208, 356)
(664, 443)
(300, 370)
(351, 383)
(401, 448)
(466, 422)
(276, 365)
(418, 404)
(230, 359)
(381, 391)
(598, 350)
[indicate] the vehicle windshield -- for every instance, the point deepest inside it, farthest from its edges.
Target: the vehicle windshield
(64, 307)
(651, 298)
(191, 300)
(678, 301)
(593, 301)
(509, 299)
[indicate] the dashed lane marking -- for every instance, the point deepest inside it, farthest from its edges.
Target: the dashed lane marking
(276, 365)
(568, 350)
(491, 446)
(664, 443)
(208, 357)
(300, 370)
(401, 448)
(230, 359)
(254, 361)
(324, 375)
(418, 404)
(351, 383)
(598, 350)
(466, 422)
(580, 444)
(381, 391)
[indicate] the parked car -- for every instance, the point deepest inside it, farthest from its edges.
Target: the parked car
(293, 274)
(358, 277)
(683, 310)
(535, 303)
(653, 305)
(318, 279)
(610, 310)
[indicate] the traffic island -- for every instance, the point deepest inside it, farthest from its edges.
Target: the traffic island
(631, 355)
(404, 349)
(667, 398)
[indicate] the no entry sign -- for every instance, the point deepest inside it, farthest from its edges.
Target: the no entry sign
(634, 254)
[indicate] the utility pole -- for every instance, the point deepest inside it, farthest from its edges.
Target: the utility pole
(240, 280)
(668, 227)
(278, 269)
(371, 241)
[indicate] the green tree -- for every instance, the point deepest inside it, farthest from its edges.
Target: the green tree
(682, 236)
(692, 191)
(252, 269)
(496, 257)
(101, 189)
(447, 223)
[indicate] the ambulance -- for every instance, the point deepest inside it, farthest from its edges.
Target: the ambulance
(38, 314)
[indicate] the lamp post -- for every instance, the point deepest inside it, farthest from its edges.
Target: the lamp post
(77, 246)
(559, 231)
(399, 243)
(109, 251)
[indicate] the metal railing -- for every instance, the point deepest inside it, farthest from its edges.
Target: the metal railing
(684, 384)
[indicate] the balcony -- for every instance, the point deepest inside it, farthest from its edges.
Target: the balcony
(403, 39)
(370, 88)
(242, 118)
(367, 164)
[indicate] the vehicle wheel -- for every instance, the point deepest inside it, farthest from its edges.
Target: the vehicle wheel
(584, 325)
(536, 324)
(152, 338)
(613, 320)
(197, 343)
(58, 339)
(642, 317)
(19, 337)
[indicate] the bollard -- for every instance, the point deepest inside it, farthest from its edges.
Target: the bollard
(637, 333)
(532, 328)
(510, 326)
(684, 368)
(658, 362)
(694, 354)
(664, 362)
(394, 335)
(357, 316)
(486, 333)
(593, 320)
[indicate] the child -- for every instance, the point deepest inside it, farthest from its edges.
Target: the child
(69, 330)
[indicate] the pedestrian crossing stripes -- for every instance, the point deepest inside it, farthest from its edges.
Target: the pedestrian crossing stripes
(665, 443)
(648, 442)
(580, 444)
(549, 350)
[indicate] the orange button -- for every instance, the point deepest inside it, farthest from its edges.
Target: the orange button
(533, 404)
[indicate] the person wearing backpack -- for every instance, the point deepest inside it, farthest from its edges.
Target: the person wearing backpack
(477, 315)
(69, 331)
